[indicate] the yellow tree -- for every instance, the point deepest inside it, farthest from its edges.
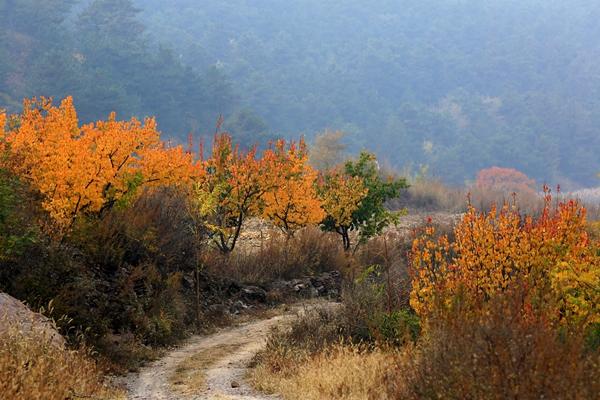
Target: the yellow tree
(89, 169)
(290, 200)
(341, 196)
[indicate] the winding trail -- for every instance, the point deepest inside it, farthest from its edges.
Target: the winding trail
(208, 367)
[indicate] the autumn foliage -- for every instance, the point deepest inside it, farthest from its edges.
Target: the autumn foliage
(550, 257)
(342, 196)
(88, 168)
(291, 201)
(229, 191)
(505, 180)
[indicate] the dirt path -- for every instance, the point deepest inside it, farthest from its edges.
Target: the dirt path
(207, 367)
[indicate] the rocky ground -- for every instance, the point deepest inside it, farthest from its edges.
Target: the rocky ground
(230, 297)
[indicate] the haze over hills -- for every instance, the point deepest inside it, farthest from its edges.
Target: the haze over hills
(455, 85)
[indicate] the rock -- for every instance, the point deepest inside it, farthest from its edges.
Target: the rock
(321, 290)
(325, 284)
(238, 306)
(300, 287)
(217, 309)
(254, 293)
(14, 313)
(235, 384)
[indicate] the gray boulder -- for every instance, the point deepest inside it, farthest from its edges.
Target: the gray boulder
(16, 315)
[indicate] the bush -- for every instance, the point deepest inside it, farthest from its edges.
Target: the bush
(376, 291)
(122, 274)
(397, 327)
(497, 355)
(495, 186)
(550, 255)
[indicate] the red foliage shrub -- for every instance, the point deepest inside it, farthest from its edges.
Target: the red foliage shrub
(504, 180)
(496, 185)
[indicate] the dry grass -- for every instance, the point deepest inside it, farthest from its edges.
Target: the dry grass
(502, 353)
(32, 368)
(527, 202)
(272, 257)
(343, 372)
(430, 194)
(309, 359)
(460, 357)
(590, 198)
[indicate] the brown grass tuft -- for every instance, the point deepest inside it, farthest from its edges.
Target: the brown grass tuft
(32, 367)
(500, 354)
(343, 372)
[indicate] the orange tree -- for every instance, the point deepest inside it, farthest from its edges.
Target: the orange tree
(88, 169)
(230, 190)
(551, 257)
(291, 200)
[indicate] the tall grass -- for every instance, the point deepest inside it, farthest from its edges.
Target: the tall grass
(34, 367)
(343, 372)
(430, 194)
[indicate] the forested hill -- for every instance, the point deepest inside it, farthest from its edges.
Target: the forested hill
(101, 53)
(458, 85)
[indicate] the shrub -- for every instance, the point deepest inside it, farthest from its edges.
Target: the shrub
(496, 355)
(505, 180)
(122, 275)
(551, 255)
(397, 327)
(496, 185)
(376, 291)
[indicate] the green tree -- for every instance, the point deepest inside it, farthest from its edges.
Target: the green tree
(371, 216)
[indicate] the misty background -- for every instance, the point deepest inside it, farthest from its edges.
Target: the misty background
(456, 85)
